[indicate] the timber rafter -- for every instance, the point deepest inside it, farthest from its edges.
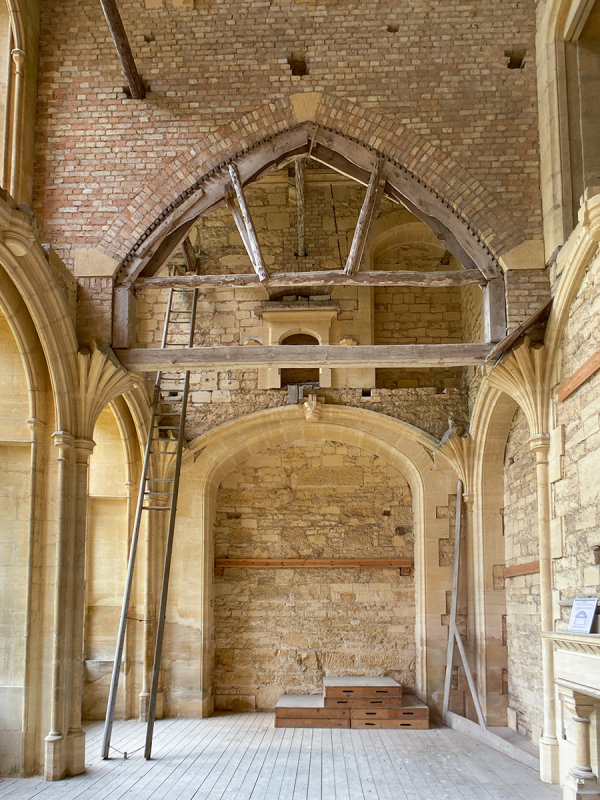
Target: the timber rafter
(119, 35)
(328, 147)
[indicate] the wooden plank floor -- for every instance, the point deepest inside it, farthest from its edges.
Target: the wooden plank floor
(243, 757)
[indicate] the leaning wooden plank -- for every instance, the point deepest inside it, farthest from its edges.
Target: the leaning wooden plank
(412, 356)
(383, 277)
(368, 212)
(257, 259)
(579, 377)
(117, 30)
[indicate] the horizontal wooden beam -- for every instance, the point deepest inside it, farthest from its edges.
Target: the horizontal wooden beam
(410, 356)
(318, 278)
(313, 563)
(579, 377)
(531, 568)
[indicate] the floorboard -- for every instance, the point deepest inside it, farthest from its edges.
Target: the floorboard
(243, 757)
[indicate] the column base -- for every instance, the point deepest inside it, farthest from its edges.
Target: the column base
(143, 703)
(549, 769)
(55, 768)
(76, 751)
(577, 787)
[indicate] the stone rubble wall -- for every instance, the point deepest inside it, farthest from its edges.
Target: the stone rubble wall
(283, 630)
(576, 486)
(522, 592)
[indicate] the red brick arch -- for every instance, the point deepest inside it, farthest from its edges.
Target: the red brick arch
(173, 189)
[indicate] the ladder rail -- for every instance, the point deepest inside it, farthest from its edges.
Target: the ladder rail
(166, 575)
(144, 503)
(114, 682)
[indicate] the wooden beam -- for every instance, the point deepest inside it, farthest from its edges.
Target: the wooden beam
(368, 212)
(579, 377)
(409, 356)
(189, 255)
(531, 568)
(317, 278)
(255, 254)
(313, 563)
(241, 226)
(299, 175)
(117, 29)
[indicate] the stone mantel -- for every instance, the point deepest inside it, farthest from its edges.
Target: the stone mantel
(588, 643)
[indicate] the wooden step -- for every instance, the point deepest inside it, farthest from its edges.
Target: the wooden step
(418, 724)
(319, 722)
(307, 706)
(411, 708)
(362, 702)
(361, 687)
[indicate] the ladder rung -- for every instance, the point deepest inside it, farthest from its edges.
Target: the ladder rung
(163, 453)
(153, 493)
(156, 508)
(161, 480)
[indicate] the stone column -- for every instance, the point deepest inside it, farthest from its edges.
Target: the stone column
(549, 772)
(55, 762)
(580, 780)
(76, 736)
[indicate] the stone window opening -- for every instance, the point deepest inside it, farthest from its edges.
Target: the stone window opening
(296, 377)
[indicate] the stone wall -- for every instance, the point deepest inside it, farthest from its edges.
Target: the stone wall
(522, 592)
(283, 630)
(576, 488)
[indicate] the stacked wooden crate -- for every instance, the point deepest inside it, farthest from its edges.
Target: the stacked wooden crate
(353, 703)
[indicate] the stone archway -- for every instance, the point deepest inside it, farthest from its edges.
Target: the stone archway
(216, 455)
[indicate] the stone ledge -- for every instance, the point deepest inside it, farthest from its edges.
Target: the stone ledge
(575, 642)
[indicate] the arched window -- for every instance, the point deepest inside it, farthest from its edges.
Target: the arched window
(292, 377)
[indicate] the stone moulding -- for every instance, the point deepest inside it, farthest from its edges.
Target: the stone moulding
(575, 642)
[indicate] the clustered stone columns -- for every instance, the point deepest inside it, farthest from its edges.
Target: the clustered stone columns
(65, 743)
(580, 780)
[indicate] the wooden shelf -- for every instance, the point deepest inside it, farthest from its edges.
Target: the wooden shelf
(403, 564)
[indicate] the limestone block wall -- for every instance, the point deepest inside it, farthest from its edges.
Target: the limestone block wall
(576, 489)
(15, 460)
(106, 562)
(283, 630)
(228, 316)
(522, 592)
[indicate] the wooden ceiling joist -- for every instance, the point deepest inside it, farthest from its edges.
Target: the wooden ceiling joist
(117, 30)
(409, 356)
(244, 219)
(279, 280)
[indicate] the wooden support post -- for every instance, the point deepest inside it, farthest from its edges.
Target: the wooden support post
(453, 633)
(124, 312)
(189, 255)
(494, 311)
(239, 224)
(115, 25)
(252, 243)
(367, 214)
(299, 174)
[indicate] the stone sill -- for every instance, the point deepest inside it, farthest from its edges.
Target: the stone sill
(575, 642)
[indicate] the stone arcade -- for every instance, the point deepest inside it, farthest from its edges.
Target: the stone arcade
(390, 216)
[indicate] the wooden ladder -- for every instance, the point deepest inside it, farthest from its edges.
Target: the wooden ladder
(166, 439)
